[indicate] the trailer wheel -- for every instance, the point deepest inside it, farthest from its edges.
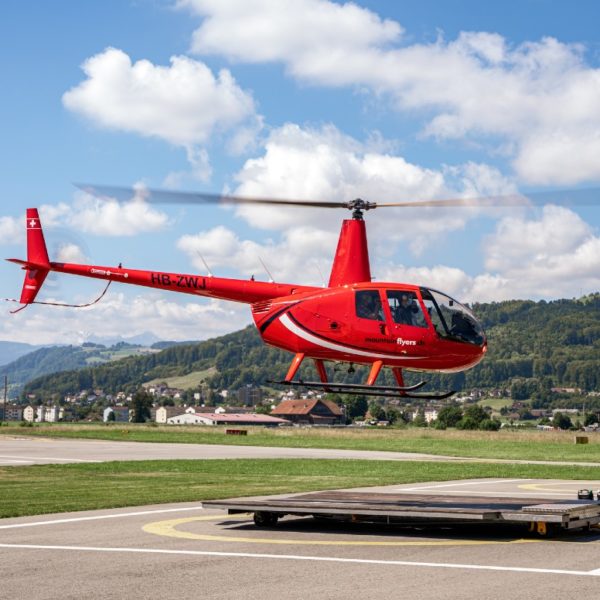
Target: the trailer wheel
(265, 519)
(546, 530)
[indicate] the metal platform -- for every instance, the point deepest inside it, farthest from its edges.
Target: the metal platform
(540, 514)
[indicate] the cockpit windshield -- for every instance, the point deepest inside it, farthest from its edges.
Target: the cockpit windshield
(451, 319)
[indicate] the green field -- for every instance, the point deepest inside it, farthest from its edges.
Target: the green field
(192, 380)
(505, 444)
(46, 489)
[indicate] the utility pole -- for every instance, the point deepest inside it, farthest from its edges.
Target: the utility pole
(5, 395)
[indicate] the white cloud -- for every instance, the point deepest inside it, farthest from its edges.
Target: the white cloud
(304, 33)
(555, 255)
(323, 164)
(71, 253)
(12, 231)
(108, 217)
(121, 315)
(184, 103)
(539, 98)
(296, 258)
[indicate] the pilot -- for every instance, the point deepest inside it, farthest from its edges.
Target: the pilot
(369, 307)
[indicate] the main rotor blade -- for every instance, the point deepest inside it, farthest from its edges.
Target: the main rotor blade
(577, 197)
(156, 196)
(573, 197)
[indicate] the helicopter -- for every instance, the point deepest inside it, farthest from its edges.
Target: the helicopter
(352, 320)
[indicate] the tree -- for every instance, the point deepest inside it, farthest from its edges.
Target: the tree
(591, 418)
(419, 419)
(467, 423)
(477, 413)
(490, 425)
(449, 416)
(376, 411)
(141, 405)
(356, 407)
(562, 421)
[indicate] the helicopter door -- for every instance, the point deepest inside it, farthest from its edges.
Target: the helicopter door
(408, 321)
(371, 316)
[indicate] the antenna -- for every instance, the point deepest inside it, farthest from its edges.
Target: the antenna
(321, 274)
(210, 274)
(271, 280)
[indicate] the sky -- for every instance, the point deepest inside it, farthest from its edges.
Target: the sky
(304, 99)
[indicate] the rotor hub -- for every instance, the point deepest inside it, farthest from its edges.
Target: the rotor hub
(359, 205)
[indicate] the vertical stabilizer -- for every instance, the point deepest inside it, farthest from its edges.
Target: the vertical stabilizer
(351, 262)
(38, 263)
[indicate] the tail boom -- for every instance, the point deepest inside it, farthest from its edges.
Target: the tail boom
(237, 290)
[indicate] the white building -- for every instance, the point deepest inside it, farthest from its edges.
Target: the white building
(238, 419)
(29, 413)
(48, 414)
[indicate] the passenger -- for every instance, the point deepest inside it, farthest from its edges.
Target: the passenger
(405, 313)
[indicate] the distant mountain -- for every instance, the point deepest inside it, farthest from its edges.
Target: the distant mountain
(10, 351)
(146, 338)
(532, 347)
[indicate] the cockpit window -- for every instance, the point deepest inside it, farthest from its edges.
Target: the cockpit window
(405, 308)
(368, 305)
(451, 319)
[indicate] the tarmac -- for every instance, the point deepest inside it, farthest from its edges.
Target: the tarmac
(185, 551)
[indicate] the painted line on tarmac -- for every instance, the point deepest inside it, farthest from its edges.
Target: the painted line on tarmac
(463, 483)
(299, 557)
(99, 517)
(46, 458)
(169, 529)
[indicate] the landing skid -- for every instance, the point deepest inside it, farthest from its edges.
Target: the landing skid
(368, 390)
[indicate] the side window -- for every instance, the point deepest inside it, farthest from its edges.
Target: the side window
(405, 308)
(368, 305)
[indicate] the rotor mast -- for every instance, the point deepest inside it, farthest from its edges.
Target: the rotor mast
(351, 261)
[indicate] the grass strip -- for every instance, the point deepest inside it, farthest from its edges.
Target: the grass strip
(511, 444)
(41, 489)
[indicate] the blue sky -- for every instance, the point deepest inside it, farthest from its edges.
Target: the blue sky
(305, 99)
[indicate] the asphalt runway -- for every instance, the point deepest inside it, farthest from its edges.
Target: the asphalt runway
(24, 450)
(184, 551)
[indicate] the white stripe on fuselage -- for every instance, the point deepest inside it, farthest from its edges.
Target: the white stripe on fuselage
(313, 339)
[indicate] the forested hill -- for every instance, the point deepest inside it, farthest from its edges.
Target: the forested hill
(535, 343)
(10, 351)
(64, 358)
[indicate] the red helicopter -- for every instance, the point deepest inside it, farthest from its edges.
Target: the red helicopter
(352, 320)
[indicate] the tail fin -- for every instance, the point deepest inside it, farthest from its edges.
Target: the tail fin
(38, 264)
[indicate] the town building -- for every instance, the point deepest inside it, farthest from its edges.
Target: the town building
(315, 411)
(12, 412)
(121, 414)
(249, 395)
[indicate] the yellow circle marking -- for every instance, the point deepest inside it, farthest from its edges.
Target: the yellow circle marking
(169, 529)
(542, 487)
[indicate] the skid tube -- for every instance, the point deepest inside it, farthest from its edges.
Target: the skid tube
(367, 390)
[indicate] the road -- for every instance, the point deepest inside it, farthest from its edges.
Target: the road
(25, 450)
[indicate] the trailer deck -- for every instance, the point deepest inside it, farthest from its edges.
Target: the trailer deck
(541, 515)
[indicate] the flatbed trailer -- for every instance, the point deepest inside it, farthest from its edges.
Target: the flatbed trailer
(540, 515)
